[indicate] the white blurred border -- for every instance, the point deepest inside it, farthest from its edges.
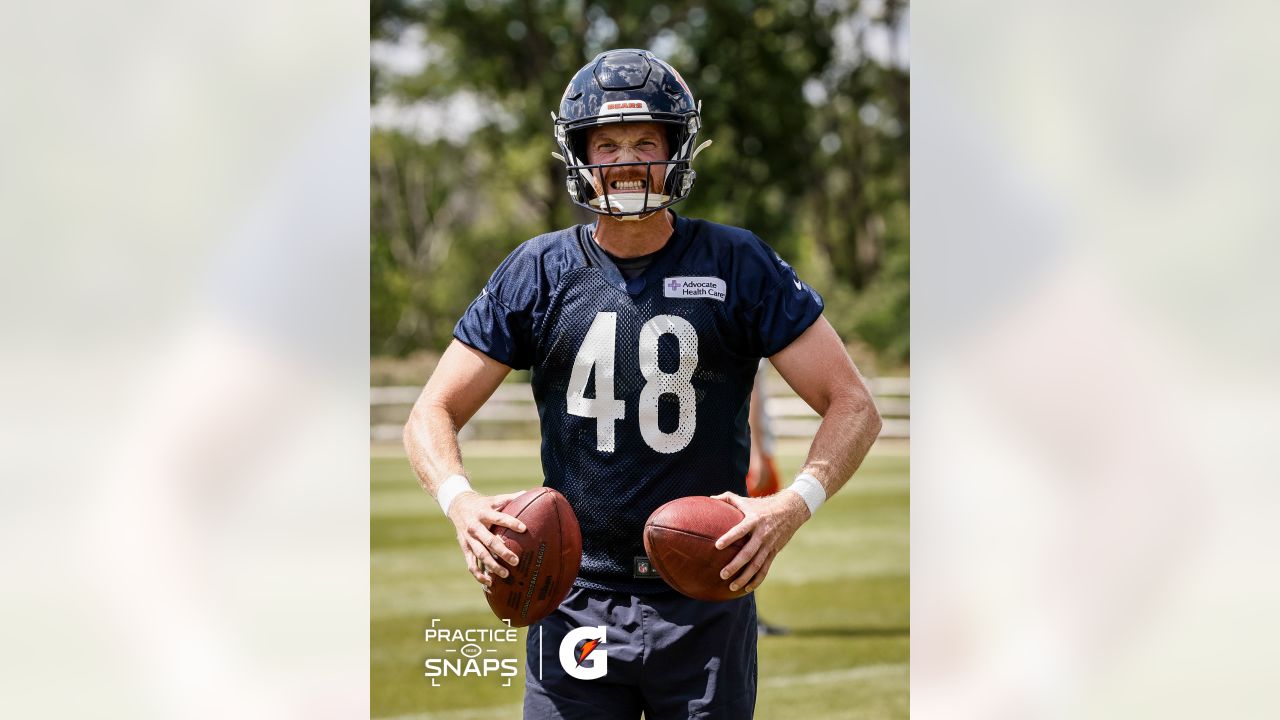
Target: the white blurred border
(1094, 360)
(184, 247)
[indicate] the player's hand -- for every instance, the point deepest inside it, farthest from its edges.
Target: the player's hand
(768, 525)
(473, 515)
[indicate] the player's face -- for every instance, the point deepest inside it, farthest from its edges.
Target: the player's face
(628, 142)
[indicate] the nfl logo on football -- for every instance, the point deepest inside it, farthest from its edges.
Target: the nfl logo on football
(470, 653)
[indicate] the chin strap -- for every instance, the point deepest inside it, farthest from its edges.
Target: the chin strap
(629, 202)
(704, 144)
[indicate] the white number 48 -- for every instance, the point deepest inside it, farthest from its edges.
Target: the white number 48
(597, 352)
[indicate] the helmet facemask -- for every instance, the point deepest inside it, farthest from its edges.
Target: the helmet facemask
(628, 204)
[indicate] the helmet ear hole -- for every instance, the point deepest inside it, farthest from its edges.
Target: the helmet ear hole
(577, 141)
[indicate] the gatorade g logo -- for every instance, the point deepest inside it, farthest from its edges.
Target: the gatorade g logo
(581, 655)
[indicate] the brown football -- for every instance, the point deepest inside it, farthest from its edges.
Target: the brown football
(550, 551)
(680, 539)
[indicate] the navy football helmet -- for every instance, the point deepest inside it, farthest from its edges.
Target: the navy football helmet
(627, 86)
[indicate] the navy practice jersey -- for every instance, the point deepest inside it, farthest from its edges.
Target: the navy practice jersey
(642, 386)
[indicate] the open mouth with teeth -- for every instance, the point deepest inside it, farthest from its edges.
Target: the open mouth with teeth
(629, 196)
(629, 185)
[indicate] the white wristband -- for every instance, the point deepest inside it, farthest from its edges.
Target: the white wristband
(452, 487)
(809, 490)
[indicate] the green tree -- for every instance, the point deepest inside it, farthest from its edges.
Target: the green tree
(810, 130)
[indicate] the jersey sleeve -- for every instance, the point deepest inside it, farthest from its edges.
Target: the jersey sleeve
(499, 322)
(784, 306)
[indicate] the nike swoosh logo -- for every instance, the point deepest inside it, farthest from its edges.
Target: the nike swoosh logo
(799, 285)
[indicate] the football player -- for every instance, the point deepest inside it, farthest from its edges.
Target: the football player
(762, 472)
(643, 332)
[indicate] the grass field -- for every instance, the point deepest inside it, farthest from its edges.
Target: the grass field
(841, 587)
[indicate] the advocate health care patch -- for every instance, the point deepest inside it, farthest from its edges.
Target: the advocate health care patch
(694, 287)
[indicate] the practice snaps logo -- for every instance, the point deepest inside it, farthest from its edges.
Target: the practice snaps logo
(471, 652)
(582, 653)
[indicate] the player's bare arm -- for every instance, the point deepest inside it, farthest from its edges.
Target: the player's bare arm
(462, 382)
(819, 369)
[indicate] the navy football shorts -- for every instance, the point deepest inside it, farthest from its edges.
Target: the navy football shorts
(663, 655)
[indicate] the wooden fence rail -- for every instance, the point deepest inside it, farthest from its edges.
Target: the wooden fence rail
(511, 414)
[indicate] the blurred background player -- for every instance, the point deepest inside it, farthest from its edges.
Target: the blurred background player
(762, 474)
